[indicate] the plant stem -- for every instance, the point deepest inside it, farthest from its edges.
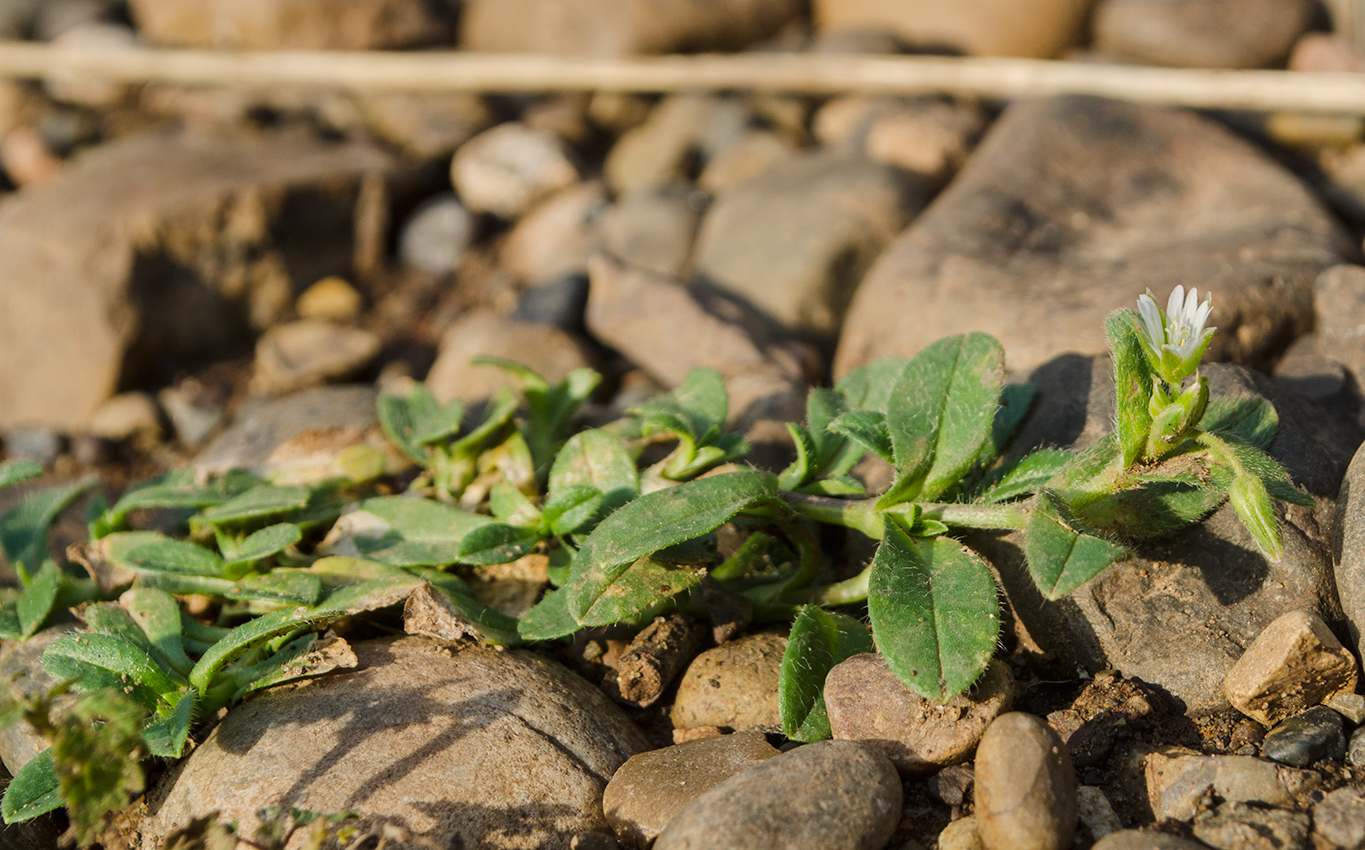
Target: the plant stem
(857, 514)
(1010, 516)
(863, 515)
(844, 593)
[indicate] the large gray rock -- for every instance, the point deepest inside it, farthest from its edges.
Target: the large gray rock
(464, 746)
(1074, 206)
(1182, 610)
(618, 27)
(1201, 33)
(795, 240)
(289, 24)
(158, 248)
(831, 795)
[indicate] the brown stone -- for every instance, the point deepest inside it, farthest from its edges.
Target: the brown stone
(1038, 28)
(1293, 664)
(733, 686)
(548, 351)
(1025, 786)
(288, 24)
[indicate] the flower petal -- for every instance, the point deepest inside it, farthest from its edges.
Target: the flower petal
(1151, 319)
(1175, 303)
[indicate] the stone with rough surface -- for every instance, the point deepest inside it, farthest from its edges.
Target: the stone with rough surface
(1309, 736)
(1037, 28)
(619, 27)
(1141, 839)
(1201, 33)
(1294, 663)
(1073, 206)
(832, 795)
(155, 249)
(1339, 818)
(1238, 826)
(469, 746)
(867, 703)
(288, 24)
(1349, 549)
(650, 788)
(651, 230)
(1339, 313)
(1177, 780)
(733, 686)
(1094, 810)
(961, 834)
(21, 668)
(1025, 786)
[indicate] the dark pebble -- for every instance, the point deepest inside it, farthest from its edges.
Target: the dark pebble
(1308, 736)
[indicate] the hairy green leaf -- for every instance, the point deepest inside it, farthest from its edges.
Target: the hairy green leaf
(934, 612)
(14, 471)
(258, 546)
(416, 419)
(107, 661)
(148, 551)
(166, 736)
(1132, 384)
(403, 531)
(33, 791)
(636, 588)
(819, 640)
(598, 459)
(1061, 558)
(1249, 420)
(262, 502)
(497, 543)
(870, 387)
(23, 529)
(868, 428)
(1027, 476)
(157, 614)
(36, 600)
(550, 619)
(570, 509)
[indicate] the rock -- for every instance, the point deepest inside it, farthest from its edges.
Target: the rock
(1305, 372)
(21, 668)
(1107, 712)
(93, 37)
(26, 157)
(652, 231)
(1070, 208)
(1246, 737)
(1202, 594)
(1238, 826)
(1350, 706)
(961, 834)
(670, 329)
(1177, 780)
(1025, 786)
(753, 153)
(288, 25)
(1141, 839)
(560, 302)
(155, 250)
(126, 416)
(1037, 28)
(436, 235)
(428, 125)
(795, 240)
(666, 148)
(507, 169)
(420, 735)
(651, 788)
(555, 240)
(1339, 316)
(307, 352)
(931, 137)
(1339, 819)
(43, 445)
(1307, 737)
(548, 351)
(867, 703)
(733, 685)
(1349, 548)
(1094, 810)
(270, 426)
(1355, 751)
(1201, 33)
(1320, 51)
(565, 115)
(1294, 663)
(619, 27)
(950, 785)
(835, 795)
(331, 299)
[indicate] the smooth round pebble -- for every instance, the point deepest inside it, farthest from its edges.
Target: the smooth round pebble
(505, 170)
(1025, 786)
(733, 685)
(436, 235)
(831, 795)
(961, 834)
(1308, 736)
(1141, 839)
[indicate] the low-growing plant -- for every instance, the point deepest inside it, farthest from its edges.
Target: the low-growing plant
(630, 517)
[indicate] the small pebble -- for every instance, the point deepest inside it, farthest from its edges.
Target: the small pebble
(1141, 839)
(950, 785)
(436, 235)
(961, 834)
(559, 302)
(1178, 780)
(1240, 826)
(1246, 733)
(125, 416)
(192, 417)
(299, 354)
(832, 795)
(733, 685)
(1294, 663)
(331, 299)
(507, 169)
(1311, 736)
(41, 444)
(1355, 753)
(1350, 706)
(1025, 786)
(26, 157)
(1339, 819)
(1095, 811)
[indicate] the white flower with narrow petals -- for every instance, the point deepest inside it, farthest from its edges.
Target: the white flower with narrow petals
(1175, 342)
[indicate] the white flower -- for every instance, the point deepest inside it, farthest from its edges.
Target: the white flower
(1175, 342)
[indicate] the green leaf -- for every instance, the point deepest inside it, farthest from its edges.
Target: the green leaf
(107, 661)
(870, 387)
(157, 614)
(36, 600)
(166, 736)
(869, 429)
(942, 411)
(33, 791)
(95, 754)
(14, 471)
(598, 459)
(280, 586)
(549, 619)
(23, 529)
(934, 612)
(1015, 401)
(1132, 384)
(416, 420)
(180, 489)
(1252, 503)
(636, 588)
(703, 396)
(497, 543)
(148, 551)
(806, 465)
(511, 505)
(1061, 558)
(1027, 476)
(258, 546)
(405, 532)
(1266, 468)
(656, 521)
(819, 640)
(366, 596)
(1248, 420)
(570, 509)
(264, 501)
